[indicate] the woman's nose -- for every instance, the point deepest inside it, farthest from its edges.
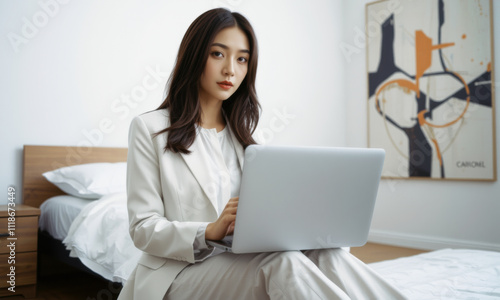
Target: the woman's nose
(229, 68)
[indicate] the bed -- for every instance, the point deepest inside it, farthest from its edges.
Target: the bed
(95, 236)
(37, 190)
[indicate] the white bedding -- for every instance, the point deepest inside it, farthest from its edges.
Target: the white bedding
(58, 213)
(445, 274)
(99, 237)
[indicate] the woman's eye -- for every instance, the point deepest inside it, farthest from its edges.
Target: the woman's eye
(242, 59)
(217, 54)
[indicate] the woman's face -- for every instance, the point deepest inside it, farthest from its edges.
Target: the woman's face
(226, 65)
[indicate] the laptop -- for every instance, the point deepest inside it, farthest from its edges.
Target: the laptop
(300, 198)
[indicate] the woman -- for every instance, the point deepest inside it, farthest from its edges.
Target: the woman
(184, 169)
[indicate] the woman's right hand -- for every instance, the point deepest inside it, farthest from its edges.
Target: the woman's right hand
(225, 223)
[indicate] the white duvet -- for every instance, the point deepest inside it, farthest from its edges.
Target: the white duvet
(449, 274)
(99, 238)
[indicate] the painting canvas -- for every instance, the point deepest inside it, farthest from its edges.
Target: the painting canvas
(430, 88)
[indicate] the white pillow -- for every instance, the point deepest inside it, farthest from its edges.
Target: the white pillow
(90, 181)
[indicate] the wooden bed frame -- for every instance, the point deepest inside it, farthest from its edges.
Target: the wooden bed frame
(40, 159)
(36, 189)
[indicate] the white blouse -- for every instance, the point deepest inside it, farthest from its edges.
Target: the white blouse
(224, 166)
(224, 169)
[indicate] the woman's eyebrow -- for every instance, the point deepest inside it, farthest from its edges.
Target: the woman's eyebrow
(226, 47)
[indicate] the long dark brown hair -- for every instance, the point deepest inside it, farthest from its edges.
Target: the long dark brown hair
(242, 109)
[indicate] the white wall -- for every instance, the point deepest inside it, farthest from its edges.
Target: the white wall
(68, 66)
(421, 213)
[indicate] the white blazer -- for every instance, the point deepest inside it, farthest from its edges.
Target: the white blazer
(169, 197)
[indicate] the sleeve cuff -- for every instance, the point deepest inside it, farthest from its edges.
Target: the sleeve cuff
(199, 242)
(201, 250)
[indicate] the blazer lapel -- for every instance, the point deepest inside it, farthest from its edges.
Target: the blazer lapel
(198, 164)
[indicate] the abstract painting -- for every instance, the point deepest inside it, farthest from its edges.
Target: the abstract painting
(430, 88)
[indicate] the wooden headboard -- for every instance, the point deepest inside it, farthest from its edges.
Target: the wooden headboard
(40, 159)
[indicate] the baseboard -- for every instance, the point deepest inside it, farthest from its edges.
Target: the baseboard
(426, 242)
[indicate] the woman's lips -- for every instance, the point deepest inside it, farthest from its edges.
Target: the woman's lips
(225, 84)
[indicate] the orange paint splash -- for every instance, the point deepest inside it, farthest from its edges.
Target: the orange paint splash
(424, 49)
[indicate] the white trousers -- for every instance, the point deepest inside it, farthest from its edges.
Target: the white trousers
(314, 274)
